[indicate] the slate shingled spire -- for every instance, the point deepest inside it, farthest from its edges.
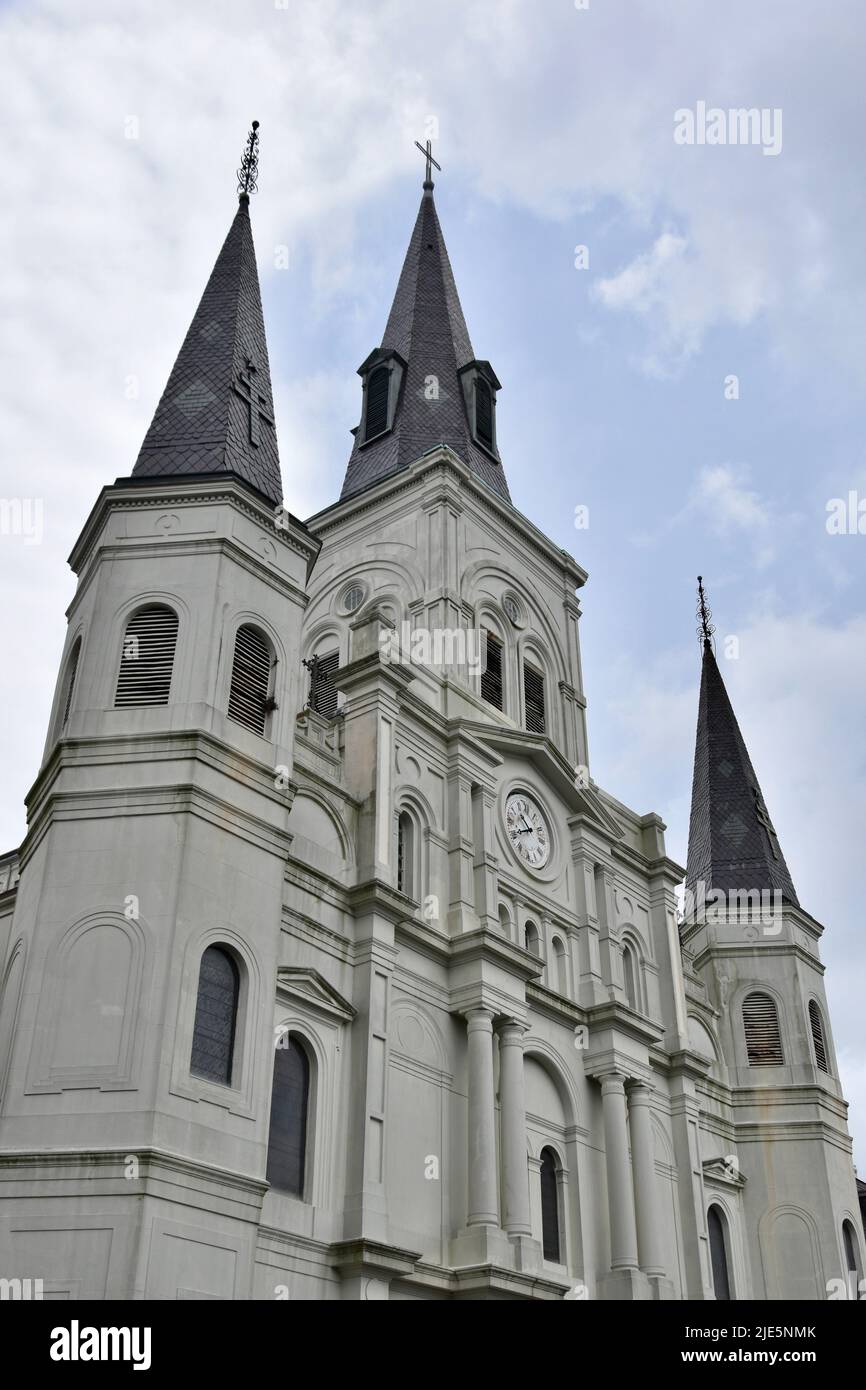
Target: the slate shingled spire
(427, 328)
(732, 843)
(216, 414)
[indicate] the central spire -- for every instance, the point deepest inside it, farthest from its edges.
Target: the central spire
(424, 385)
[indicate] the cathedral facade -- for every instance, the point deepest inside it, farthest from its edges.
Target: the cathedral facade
(327, 970)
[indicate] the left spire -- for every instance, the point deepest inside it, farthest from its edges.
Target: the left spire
(216, 414)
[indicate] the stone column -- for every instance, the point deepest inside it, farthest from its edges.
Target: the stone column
(646, 1197)
(620, 1196)
(483, 1205)
(515, 1177)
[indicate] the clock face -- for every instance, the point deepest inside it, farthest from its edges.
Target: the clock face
(527, 830)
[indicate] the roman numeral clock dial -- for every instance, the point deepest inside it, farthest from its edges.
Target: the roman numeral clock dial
(527, 830)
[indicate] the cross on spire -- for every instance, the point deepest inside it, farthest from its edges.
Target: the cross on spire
(428, 155)
(253, 399)
(249, 171)
(704, 614)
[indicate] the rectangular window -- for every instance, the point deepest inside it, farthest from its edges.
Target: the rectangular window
(533, 699)
(323, 691)
(491, 677)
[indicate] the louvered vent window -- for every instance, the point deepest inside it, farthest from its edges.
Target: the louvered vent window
(251, 680)
(377, 402)
(491, 676)
(323, 691)
(147, 658)
(533, 697)
(484, 412)
(761, 1023)
(69, 689)
(818, 1036)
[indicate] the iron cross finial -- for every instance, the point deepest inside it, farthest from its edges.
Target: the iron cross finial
(705, 615)
(428, 155)
(249, 171)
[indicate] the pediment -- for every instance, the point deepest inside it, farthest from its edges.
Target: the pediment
(313, 990)
(724, 1171)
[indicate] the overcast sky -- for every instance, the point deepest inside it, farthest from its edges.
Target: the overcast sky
(556, 124)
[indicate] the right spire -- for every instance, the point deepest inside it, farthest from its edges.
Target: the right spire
(732, 844)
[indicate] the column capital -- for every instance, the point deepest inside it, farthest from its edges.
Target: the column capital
(511, 1032)
(479, 1019)
(612, 1082)
(640, 1092)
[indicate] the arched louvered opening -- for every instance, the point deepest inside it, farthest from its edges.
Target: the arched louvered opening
(378, 385)
(290, 1099)
(504, 920)
(406, 855)
(69, 683)
(147, 657)
(491, 676)
(849, 1240)
(250, 687)
(550, 1205)
(761, 1024)
(533, 699)
(531, 939)
(629, 976)
(323, 689)
(216, 1012)
(816, 1024)
(560, 970)
(716, 1226)
(484, 412)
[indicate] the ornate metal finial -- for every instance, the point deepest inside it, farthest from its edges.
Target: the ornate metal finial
(428, 155)
(705, 616)
(248, 173)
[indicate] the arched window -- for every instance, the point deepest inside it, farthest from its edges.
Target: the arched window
(69, 683)
(290, 1098)
(505, 920)
(405, 854)
(491, 676)
(530, 938)
(761, 1024)
(484, 412)
(250, 686)
(560, 971)
(817, 1026)
(852, 1262)
(147, 657)
(550, 1205)
(629, 976)
(216, 1013)
(323, 689)
(719, 1253)
(533, 699)
(377, 402)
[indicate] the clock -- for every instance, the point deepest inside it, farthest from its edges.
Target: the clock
(527, 830)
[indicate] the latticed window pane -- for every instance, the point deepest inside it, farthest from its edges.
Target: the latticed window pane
(491, 676)
(287, 1139)
(533, 696)
(251, 678)
(818, 1036)
(377, 402)
(484, 413)
(763, 1039)
(215, 1016)
(147, 657)
(323, 691)
(549, 1206)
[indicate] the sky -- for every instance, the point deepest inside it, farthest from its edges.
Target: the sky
(556, 125)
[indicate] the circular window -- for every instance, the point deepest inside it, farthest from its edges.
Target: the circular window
(353, 598)
(512, 609)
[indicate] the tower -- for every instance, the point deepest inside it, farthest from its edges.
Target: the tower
(755, 951)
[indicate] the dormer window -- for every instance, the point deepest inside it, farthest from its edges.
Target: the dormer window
(484, 412)
(382, 375)
(480, 385)
(376, 421)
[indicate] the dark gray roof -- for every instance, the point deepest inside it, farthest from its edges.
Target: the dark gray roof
(427, 328)
(203, 423)
(730, 844)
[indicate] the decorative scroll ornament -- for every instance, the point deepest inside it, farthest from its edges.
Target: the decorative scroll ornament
(706, 626)
(248, 173)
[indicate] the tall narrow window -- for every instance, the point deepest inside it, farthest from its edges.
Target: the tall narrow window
(719, 1254)
(251, 680)
(323, 690)
(817, 1027)
(491, 676)
(549, 1206)
(216, 1012)
(147, 657)
(290, 1098)
(484, 412)
(531, 938)
(852, 1262)
(377, 402)
(405, 854)
(533, 698)
(560, 971)
(629, 977)
(761, 1024)
(69, 683)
